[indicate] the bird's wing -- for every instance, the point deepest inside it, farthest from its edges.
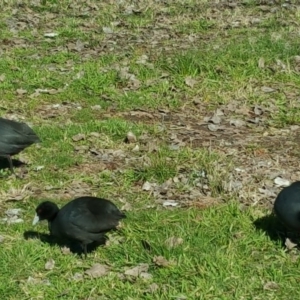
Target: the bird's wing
(94, 224)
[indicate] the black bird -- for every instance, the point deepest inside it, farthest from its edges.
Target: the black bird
(14, 137)
(287, 206)
(85, 219)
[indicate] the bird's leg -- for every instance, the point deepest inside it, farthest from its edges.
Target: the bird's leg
(11, 167)
(84, 248)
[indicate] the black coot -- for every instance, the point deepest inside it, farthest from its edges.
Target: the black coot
(287, 206)
(85, 219)
(14, 137)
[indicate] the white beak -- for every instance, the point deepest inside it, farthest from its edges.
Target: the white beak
(35, 220)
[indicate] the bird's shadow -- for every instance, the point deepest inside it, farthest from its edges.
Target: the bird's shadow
(276, 231)
(74, 246)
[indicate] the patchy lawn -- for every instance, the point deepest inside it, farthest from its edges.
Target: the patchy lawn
(184, 113)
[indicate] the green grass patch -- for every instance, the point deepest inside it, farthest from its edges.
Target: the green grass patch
(222, 256)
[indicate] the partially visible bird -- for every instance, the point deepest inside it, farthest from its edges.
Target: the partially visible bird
(85, 219)
(14, 137)
(287, 206)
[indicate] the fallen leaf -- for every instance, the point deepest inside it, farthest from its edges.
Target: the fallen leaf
(77, 276)
(289, 244)
(281, 182)
(189, 81)
(267, 89)
(271, 285)
(107, 30)
(147, 186)
(97, 270)
(13, 212)
(153, 287)
(130, 137)
(237, 123)
(161, 261)
(126, 207)
(96, 107)
(21, 91)
(257, 110)
(65, 250)
(136, 271)
(215, 119)
(146, 275)
(212, 127)
(51, 34)
(261, 63)
(50, 264)
(173, 242)
(170, 203)
(32, 280)
(78, 137)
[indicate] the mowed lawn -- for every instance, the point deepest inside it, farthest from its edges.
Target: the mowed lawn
(182, 113)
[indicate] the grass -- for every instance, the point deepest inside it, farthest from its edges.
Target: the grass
(103, 85)
(223, 256)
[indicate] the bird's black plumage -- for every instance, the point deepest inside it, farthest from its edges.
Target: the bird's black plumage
(85, 219)
(287, 206)
(14, 137)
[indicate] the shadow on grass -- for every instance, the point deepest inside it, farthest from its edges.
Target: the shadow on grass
(74, 246)
(4, 164)
(272, 227)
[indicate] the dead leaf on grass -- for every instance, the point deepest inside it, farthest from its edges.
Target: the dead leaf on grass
(267, 89)
(213, 127)
(130, 137)
(237, 122)
(65, 250)
(173, 241)
(216, 119)
(50, 34)
(78, 137)
(281, 182)
(98, 270)
(161, 261)
(289, 244)
(147, 186)
(138, 270)
(13, 216)
(271, 285)
(170, 203)
(126, 207)
(258, 110)
(261, 63)
(21, 91)
(50, 264)
(77, 276)
(189, 81)
(96, 107)
(32, 280)
(153, 287)
(107, 30)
